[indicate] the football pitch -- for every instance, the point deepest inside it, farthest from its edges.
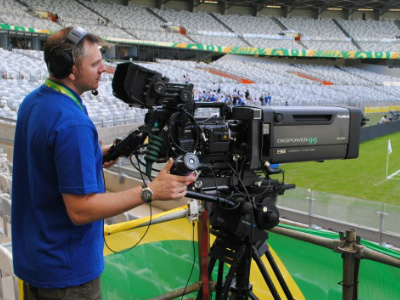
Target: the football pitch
(364, 177)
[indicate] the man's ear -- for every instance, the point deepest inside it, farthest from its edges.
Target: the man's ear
(72, 75)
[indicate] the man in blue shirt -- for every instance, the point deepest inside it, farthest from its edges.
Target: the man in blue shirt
(59, 199)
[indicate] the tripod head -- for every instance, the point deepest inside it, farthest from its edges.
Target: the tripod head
(249, 218)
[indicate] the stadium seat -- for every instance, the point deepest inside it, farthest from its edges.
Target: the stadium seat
(6, 268)
(6, 213)
(5, 183)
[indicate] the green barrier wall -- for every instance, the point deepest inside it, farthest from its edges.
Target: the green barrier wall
(155, 268)
(241, 50)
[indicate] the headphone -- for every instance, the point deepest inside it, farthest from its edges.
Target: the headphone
(60, 62)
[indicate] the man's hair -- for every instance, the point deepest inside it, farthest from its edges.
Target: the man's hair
(58, 42)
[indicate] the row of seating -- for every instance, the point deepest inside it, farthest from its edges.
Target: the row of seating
(114, 20)
(351, 86)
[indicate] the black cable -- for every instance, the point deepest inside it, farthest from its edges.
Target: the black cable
(215, 180)
(148, 226)
(137, 167)
(241, 182)
(195, 126)
(144, 164)
(194, 262)
(130, 248)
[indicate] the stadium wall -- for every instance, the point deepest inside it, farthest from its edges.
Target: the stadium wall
(276, 12)
(375, 131)
(178, 5)
(240, 10)
(148, 3)
(120, 2)
(338, 14)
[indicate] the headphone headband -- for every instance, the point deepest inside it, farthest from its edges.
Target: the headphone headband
(76, 35)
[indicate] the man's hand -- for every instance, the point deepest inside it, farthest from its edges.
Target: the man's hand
(104, 150)
(167, 186)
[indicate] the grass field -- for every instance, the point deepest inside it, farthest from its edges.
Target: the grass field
(360, 178)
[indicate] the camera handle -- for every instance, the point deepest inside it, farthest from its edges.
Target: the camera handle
(209, 198)
(128, 145)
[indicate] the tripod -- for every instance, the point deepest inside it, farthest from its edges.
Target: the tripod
(238, 251)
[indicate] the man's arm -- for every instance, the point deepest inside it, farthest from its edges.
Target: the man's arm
(84, 209)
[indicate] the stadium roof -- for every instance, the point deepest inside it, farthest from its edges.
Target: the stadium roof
(380, 6)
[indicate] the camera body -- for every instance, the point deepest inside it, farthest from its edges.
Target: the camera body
(278, 134)
(230, 145)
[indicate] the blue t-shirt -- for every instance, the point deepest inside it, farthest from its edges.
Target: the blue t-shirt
(56, 151)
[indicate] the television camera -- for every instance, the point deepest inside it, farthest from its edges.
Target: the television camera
(232, 152)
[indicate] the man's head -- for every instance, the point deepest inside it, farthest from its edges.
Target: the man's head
(71, 54)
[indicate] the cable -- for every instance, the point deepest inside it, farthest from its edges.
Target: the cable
(195, 126)
(148, 226)
(241, 182)
(130, 248)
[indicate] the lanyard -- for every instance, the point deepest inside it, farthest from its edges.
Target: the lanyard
(63, 90)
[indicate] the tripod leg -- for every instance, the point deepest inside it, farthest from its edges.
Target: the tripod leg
(252, 296)
(235, 266)
(267, 278)
(218, 287)
(278, 274)
(242, 289)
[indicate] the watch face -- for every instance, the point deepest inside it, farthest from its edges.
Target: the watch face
(147, 194)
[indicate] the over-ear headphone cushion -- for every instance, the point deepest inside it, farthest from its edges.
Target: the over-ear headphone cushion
(60, 64)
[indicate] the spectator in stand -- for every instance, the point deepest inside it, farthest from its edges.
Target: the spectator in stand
(268, 99)
(221, 97)
(212, 97)
(196, 95)
(262, 99)
(229, 100)
(234, 94)
(205, 96)
(186, 78)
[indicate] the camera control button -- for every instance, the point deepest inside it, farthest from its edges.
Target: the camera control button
(278, 118)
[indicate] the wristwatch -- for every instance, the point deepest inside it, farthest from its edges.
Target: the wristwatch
(146, 194)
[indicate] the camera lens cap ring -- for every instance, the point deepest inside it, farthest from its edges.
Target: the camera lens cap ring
(191, 161)
(185, 96)
(159, 88)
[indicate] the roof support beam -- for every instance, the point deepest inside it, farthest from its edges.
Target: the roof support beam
(385, 8)
(195, 3)
(223, 7)
(286, 11)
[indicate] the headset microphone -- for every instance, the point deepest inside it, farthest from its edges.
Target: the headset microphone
(95, 92)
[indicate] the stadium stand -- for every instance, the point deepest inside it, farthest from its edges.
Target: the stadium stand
(350, 85)
(25, 69)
